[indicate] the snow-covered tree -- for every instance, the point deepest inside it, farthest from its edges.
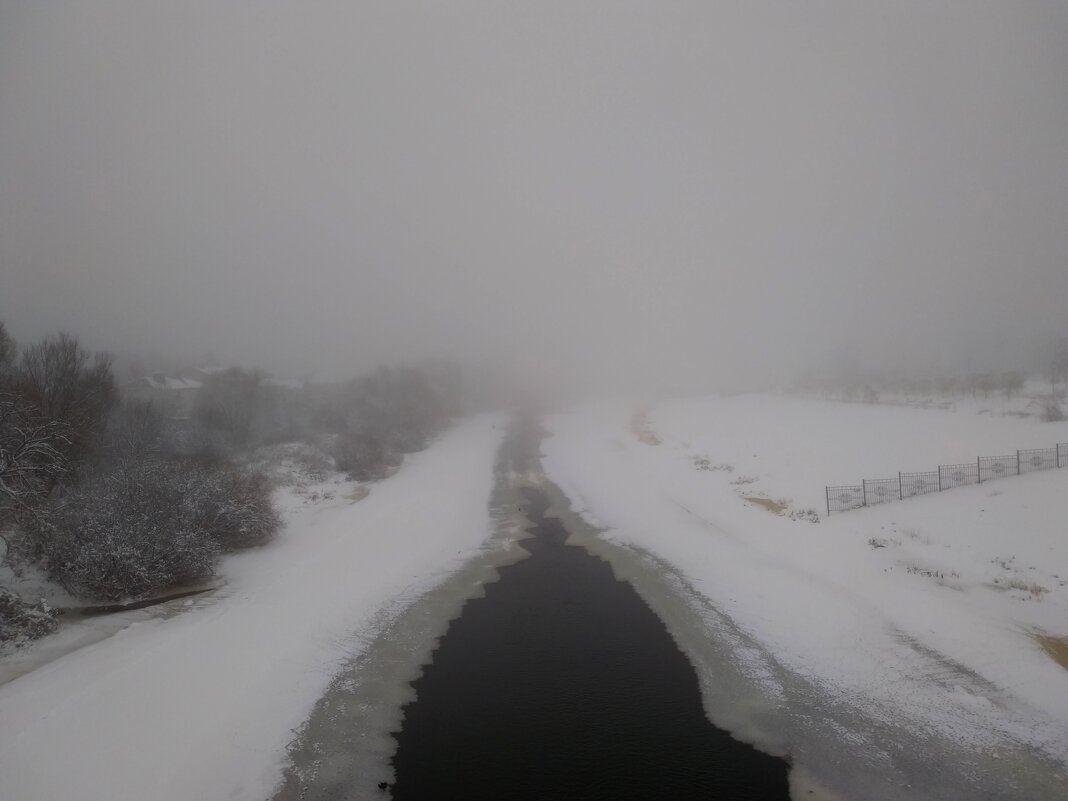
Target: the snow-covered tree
(31, 454)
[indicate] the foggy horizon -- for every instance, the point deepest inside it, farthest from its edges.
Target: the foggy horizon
(679, 196)
(613, 400)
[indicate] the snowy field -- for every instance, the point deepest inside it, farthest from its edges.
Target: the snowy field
(922, 612)
(203, 704)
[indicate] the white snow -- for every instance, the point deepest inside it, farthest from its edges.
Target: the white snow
(202, 705)
(907, 609)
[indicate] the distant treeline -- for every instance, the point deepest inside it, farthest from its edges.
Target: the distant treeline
(853, 381)
(1046, 386)
(863, 385)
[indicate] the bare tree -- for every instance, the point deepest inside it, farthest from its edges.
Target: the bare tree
(64, 382)
(982, 382)
(236, 405)
(135, 428)
(8, 350)
(1010, 382)
(399, 406)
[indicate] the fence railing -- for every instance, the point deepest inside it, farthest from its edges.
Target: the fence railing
(985, 468)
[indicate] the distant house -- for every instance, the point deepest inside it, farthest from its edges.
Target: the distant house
(176, 393)
(201, 374)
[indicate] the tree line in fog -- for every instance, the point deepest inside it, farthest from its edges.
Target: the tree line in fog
(116, 494)
(1046, 385)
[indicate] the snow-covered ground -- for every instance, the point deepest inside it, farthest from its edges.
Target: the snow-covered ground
(202, 705)
(920, 612)
(1030, 400)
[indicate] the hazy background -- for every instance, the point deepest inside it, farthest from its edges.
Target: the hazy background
(690, 193)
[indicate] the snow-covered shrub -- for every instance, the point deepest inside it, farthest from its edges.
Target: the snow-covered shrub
(362, 456)
(145, 523)
(21, 622)
(234, 507)
(32, 456)
(704, 463)
(1052, 411)
(127, 533)
(808, 513)
(294, 463)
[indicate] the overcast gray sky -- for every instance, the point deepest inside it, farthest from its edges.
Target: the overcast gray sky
(677, 188)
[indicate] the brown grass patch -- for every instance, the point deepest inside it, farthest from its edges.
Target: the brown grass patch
(772, 506)
(639, 427)
(1056, 647)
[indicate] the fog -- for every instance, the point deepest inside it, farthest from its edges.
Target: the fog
(677, 195)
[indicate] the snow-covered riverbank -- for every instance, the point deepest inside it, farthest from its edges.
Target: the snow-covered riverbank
(202, 705)
(921, 613)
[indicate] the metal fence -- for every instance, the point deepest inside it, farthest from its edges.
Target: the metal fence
(1038, 459)
(845, 497)
(991, 467)
(986, 468)
(918, 483)
(958, 475)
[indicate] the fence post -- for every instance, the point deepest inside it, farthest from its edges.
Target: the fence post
(900, 488)
(1017, 463)
(939, 478)
(864, 489)
(978, 469)
(827, 495)
(1057, 448)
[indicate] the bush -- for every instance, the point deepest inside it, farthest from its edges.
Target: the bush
(362, 456)
(127, 534)
(1052, 411)
(234, 508)
(21, 622)
(294, 463)
(145, 523)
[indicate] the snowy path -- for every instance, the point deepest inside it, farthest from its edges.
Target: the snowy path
(201, 706)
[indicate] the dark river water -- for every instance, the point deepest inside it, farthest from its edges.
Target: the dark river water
(561, 683)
